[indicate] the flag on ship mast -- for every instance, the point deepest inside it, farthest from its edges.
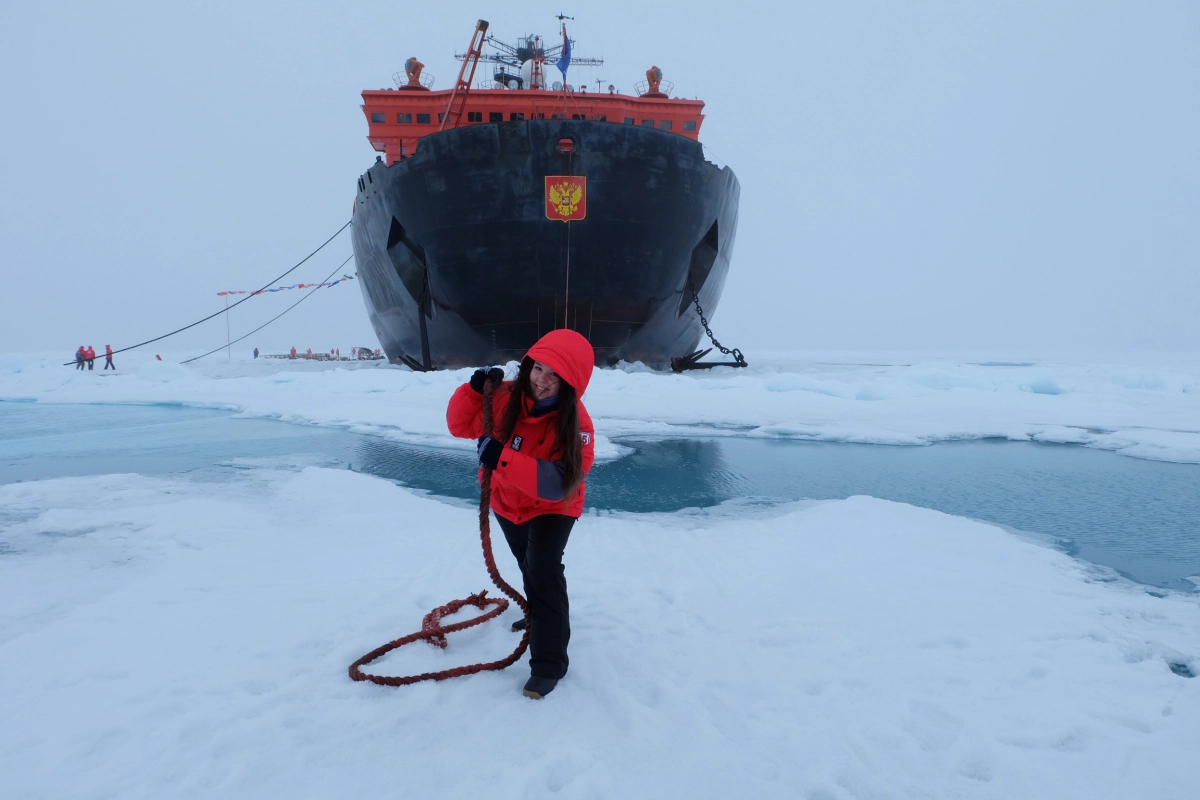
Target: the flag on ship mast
(565, 61)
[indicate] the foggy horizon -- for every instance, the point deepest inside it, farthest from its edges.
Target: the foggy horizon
(1016, 178)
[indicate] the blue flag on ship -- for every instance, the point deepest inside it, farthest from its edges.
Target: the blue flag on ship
(565, 61)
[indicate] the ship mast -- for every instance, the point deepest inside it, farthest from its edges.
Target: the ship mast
(458, 97)
(528, 53)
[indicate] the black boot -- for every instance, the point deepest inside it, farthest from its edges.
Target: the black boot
(519, 625)
(537, 688)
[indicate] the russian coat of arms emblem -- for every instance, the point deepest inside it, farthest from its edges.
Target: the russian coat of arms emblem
(566, 197)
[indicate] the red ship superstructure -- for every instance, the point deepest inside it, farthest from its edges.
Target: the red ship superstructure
(522, 204)
(398, 118)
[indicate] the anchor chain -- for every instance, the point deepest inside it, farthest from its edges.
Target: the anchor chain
(736, 353)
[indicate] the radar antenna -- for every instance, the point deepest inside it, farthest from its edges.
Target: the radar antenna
(528, 48)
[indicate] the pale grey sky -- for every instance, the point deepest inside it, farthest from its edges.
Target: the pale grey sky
(1006, 176)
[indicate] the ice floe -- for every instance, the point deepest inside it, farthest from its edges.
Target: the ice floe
(1144, 411)
(161, 637)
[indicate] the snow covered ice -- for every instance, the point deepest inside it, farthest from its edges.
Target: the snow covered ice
(1138, 410)
(167, 637)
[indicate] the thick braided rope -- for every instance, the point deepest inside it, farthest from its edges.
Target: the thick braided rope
(432, 629)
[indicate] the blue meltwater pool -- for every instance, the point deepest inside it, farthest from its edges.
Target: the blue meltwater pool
(1141, 518)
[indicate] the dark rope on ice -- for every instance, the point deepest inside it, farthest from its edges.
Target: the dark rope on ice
(235, 305)
(307, 295)
(432, 629)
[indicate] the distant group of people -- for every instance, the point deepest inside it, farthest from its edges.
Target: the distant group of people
(335, 353)
(86, 356)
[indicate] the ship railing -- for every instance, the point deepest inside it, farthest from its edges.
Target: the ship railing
(401, 79)
(641, 87)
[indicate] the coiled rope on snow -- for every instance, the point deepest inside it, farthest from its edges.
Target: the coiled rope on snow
(432, 629)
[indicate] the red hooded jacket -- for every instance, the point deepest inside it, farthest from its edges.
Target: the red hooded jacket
(526, 483)
(90, 353)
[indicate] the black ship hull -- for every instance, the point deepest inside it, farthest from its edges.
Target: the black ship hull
(459, 265)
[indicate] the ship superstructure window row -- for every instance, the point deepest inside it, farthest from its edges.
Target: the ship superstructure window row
(406, 118)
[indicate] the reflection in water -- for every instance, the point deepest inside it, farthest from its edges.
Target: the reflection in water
(662, 476)
(447, 473)
(1140, 517)
(665, 475)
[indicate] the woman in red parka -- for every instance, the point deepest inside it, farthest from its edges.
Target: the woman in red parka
(540, 452)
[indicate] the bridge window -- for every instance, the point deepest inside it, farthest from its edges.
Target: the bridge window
(441, 117)
(404, 119)
(556, 116)
(516, 116)
(601, 118)
(422, 119)
(379, 118)
(474, 116)
(629, 120)
(664, 124)
(647, 123)
(578, 116)
(495, 116)
(689, 124)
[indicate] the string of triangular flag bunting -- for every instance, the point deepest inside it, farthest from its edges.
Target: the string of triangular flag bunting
(293, 286)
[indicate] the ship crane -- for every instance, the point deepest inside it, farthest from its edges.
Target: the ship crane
(458, 97)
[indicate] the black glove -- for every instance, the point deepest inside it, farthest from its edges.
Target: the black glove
(489, 451)
(481, 375)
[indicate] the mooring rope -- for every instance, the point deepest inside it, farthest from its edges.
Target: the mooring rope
(432, 629)
(307, 295)
(235, 305)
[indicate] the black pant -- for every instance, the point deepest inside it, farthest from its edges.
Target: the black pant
(538, 547)
(91, 363)
(108, 363)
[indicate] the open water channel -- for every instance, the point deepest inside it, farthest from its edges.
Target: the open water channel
(1141, 518)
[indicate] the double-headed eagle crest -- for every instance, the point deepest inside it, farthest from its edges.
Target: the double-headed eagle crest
(565, 197)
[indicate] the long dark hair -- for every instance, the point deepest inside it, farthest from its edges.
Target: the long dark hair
(567, 444)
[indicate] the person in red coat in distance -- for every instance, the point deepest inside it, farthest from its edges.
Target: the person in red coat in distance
(540, 452)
